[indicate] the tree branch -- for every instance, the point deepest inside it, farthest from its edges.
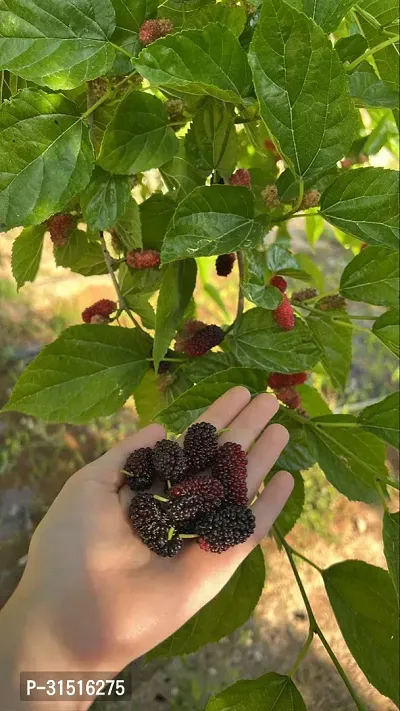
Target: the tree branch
(314, 627)
(240, 303)
(372, 50)
(109, 263)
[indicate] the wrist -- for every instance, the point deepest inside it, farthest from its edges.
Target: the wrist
(28, 644)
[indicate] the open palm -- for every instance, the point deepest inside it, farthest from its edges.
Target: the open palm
(111, 599)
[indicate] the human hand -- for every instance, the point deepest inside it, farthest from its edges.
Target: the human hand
(101, 596)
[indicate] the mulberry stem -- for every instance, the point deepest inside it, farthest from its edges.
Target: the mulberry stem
(108, 261)
(314, 627)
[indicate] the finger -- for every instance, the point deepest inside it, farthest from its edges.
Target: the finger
(264, 454)
(270, 504)
(211, 571)
(226, 408)
(125, 495)
(246, 427)
(107, 469)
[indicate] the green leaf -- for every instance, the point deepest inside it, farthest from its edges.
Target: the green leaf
(176, 291)
(312, 401)
(302, 89)
(191, 404)
(139, 282)
(365, 606)
(60, 44)
(391, 535)
(349, 457)
(385, 11)
(37, 132)
(26, 254)
(81, 255)
(280, 259)
(368, 90)
(233, 17)
(387, 59)
(309, 266)
(148, 398)
(212, 220)
(209, 61)
(364, 204)
(129, 16)
(105, 199)
(372, 276)
(211, 140)
(386, 328)
(230, 609)
(180, 176)
(293, 508)
(258, 342)
(271, 692)
(143, 308)
(382, 419)
(182, 13)
(328, 14)
(335, 341)
(155, 215)
(196, 369)
(350, 48)
(267, 297)
(89, 371)
(298, 454)
(314, 229)
(138, 137)
(128, 226)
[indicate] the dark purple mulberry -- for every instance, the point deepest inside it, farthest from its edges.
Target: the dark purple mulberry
(200, 446)
(226, 527)
(169, 461)
(139, 469)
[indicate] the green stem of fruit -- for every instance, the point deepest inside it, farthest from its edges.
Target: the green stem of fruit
(306, 560)
(381, 494)
(367, 16)
(188, 535)
(122, 50)
(108, 261)
(160, 498)
(240, 304)
(322, 425)
(361, 317)
(108, 95)
(372, 50)
(303, 652)
(314, 627)
(354, 326)
(171, 533)
(168, 360)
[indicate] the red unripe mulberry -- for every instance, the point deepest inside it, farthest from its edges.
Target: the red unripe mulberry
(143, 259)
(60, 228)
(204, 340)
(283, 380)
(290, 397)
(224, 264)
(279, 282)
(99, 312)
(149, 32)
(284, 314)
(152, 30)
(241, 177)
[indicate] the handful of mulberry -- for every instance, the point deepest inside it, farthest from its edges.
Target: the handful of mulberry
(205, 493)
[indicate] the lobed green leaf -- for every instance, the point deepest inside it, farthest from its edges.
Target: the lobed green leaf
(372, 276)
(382, 419)
(105, 199)
(271, 692)
(335, 341)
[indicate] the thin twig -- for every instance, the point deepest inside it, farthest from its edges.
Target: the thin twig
(240, 303)
(314, 627)
(372, 50)
(109, 264)
(91, 100)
